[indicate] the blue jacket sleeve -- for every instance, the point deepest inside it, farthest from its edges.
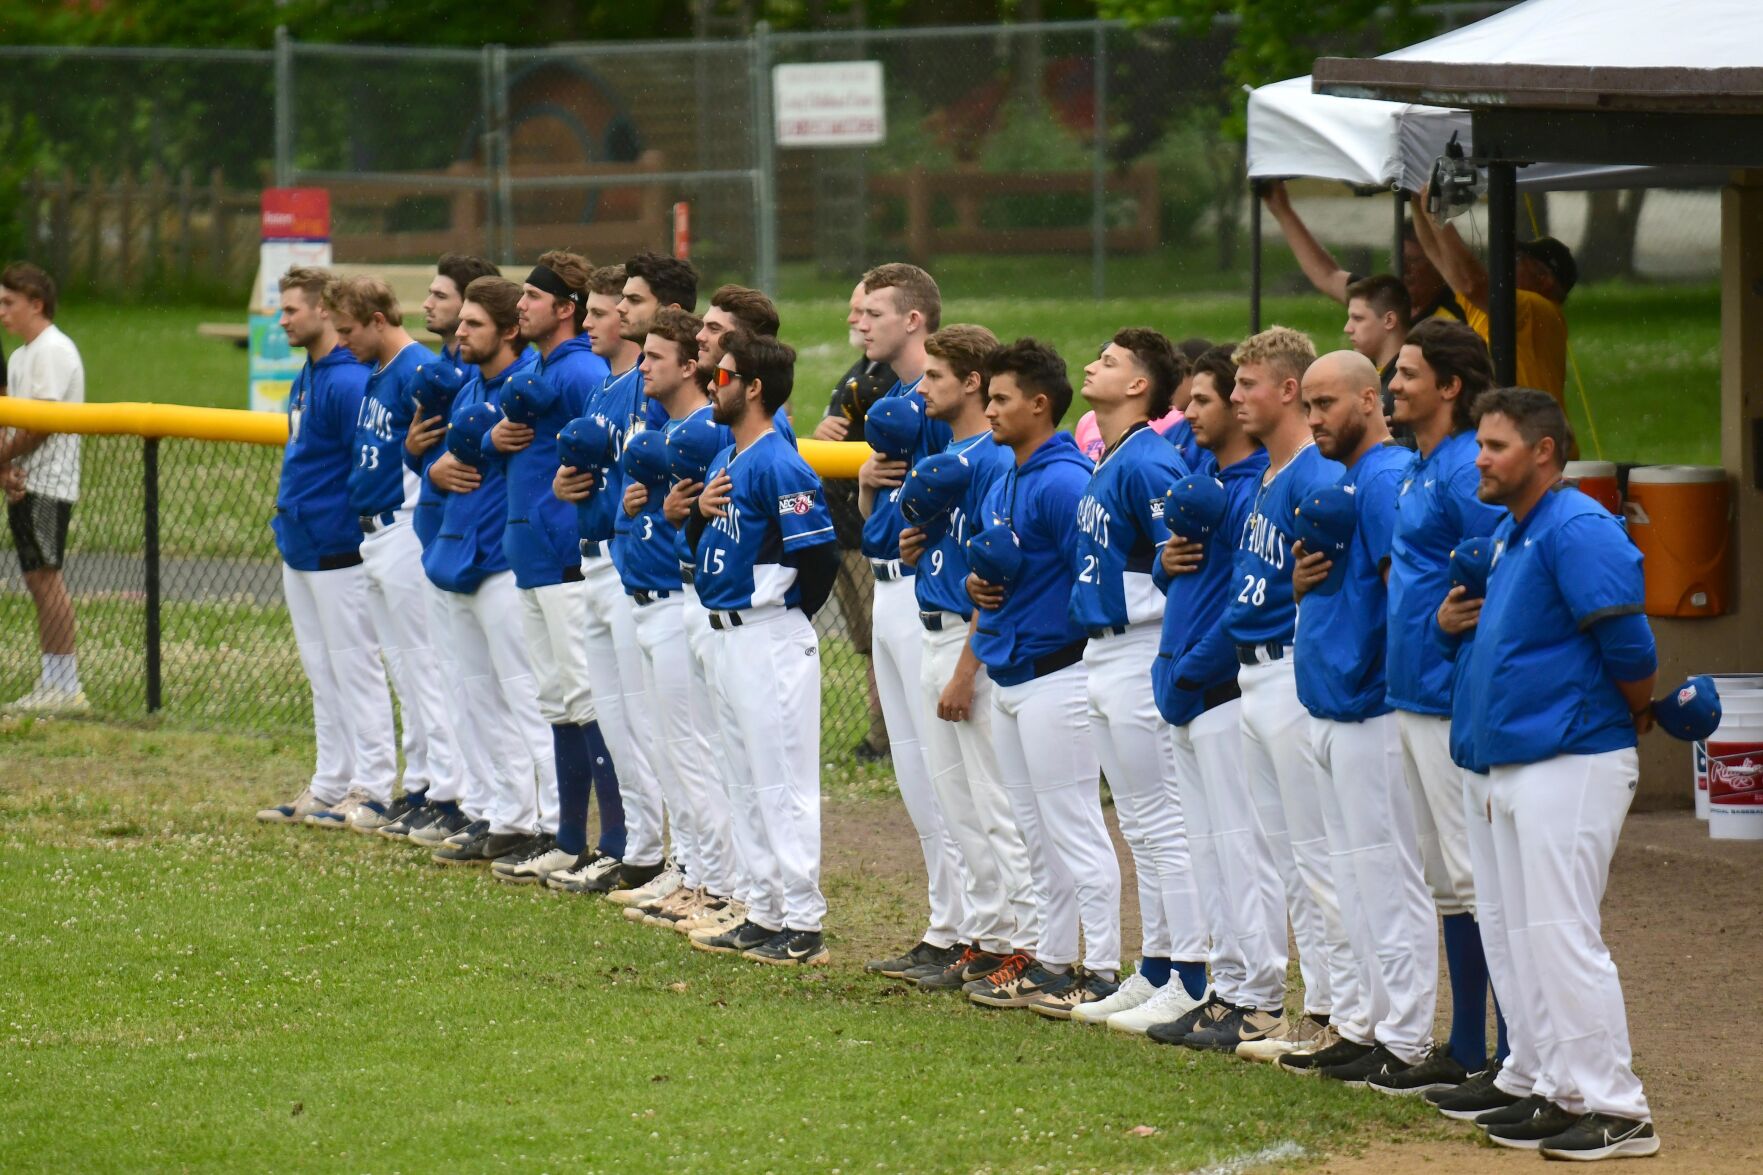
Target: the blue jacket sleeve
(1626, 643)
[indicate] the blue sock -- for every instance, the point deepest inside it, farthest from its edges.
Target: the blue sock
(1469, 990)
(1193, 978)
(417, 799)
(1155, 969)
(574, 782)
(1501, 1047)
(447, 806)
(612, 833)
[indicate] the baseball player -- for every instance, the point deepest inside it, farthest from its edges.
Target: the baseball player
(1382, 1022)
(440, 314)
(322, 579)
(615, 663)
(1277, 754)
(1034, 651)
(505, 739)
(901, 308)
(1120, 531)
(954, 687)
(1195, 684)
(543, 552)
(41, 475)
(1561, 675)
(764, 563)
(382, 492)
(1441, 369)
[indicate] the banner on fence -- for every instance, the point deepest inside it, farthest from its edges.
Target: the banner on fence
(296, 230)
(839, 104)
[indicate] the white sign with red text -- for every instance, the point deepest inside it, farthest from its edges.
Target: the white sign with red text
(837, 104)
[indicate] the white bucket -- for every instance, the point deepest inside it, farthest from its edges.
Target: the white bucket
(1735, 769)
(1729, 684)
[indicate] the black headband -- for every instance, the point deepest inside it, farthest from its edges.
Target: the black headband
(546, 279)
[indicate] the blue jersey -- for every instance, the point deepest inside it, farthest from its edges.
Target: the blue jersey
(314, 522)
(620, 405)
(1340, 639)
(1260, 608)
(1459, 651)
(780, 423)
(1120, 531)
(377, 480)
(541, 538)
(775, 512)
(941, 585)
(1194, 655)
(468, 547)
(1537, 678)
(1037, 500)
(426, 518)
(650, 556)
(1437, 509)
(1182, 437)
(881, 530)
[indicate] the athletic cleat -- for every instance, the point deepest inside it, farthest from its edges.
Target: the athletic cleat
(369, 818)
(1379, 1062)
(673, 901)
(481, 850)
(1019, 986)
(446, 822)
(635, 877)
(673, 909)
(1209, 1012)
(529, 866)
(293, 812)
(1167, 1004)
(1602, 1136)
(340, 813)
(1475, 1097)
(1528, 1124)
(652, 889)
(1237, 1027)
(736, 940)
(1087, 988)
(403, 812)
(1134, 992)
(50, 702)
(791, 948)
(1326, 1051)
(921, 954)
(719, 915)
(470, 832)
(1438, 1071)
(590, 874)
(972, 964)
(1308, 1033)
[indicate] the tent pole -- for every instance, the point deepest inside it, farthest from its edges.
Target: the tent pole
(1399, 255)
(1503, 270)
(1254, 258)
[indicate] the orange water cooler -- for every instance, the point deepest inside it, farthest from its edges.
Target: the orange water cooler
(1680, 516)
(1597, 481)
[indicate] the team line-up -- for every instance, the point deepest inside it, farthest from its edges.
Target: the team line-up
(1383, 694)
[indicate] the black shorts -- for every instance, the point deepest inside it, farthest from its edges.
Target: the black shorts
(39, 531)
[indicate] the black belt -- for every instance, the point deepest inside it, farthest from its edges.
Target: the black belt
(1097, 634)
(686, 573)
(372, 522)
(886, 569)
(572, 574)
(644, 599)
(1251, 654)
(1218, 695)
(734, 620)
(590, 550)
(1059, 659)
(932, 621)
(339, 562)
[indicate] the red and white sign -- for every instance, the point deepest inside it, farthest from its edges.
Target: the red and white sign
(296, 214)
(837, 104)
(1735, 774)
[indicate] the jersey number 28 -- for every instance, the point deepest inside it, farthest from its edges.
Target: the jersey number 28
(1254, 591)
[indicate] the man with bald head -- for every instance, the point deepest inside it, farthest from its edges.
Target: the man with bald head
(1382, 1022)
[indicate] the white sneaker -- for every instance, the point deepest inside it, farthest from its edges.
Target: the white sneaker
(342, 813)
(51, 701)
(302, 806)
(660, 886)
(733, 913)
(1130, 994)
(536, 869)
(1167, 1004)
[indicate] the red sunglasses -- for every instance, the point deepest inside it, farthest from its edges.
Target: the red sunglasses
(725, 377)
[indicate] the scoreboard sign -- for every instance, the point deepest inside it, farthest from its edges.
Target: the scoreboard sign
(837, 104)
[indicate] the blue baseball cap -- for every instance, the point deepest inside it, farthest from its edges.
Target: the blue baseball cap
(692, 446)
(585, 443)
(1194, 506)
(1690, 712)
(893, 425)
(645, 459)
(1472, 560)
(931, 491)
(529, 396)
(995, 556)
(465, 437)
(1324, 521)
(437, 383)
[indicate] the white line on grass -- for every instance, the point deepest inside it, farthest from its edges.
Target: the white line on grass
(1279, 1152)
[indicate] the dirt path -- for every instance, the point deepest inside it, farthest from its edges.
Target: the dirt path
(1684, 920)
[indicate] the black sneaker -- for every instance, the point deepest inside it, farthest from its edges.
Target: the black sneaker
(470, 832)
(1178, 1031)
(636, 876)
(973, 964)
(734, 941)
(1341, 1052)
(791, 948)
(1602, 1136)
(1439, 1070)
(1085, 988)
(1475, 1097)
(921, 954)
(1545, 1121)
(400, 808)
(1517, 1110)
(400, 827)
(481, 849)
(1020, 987)
(1238, 1026)
(1379, 1062)
(444, 823)
(533, 846)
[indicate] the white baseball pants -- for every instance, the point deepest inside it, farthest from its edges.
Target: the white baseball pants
(1437, 786)
(697, 808)
(1520, 1072)
(551, 619)
(397, 611)
(1138, 759)
(768, 694)
(1384, 902)
(1282, 776)
(501, 701)
(1240, 887)
(351, 710)
(701, 644)
(615, 671)
(1000, 901)
(896, 651)
(1555, 826)
(1047, 761)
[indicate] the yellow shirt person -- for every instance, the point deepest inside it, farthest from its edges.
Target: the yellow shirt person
(1542, 341)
